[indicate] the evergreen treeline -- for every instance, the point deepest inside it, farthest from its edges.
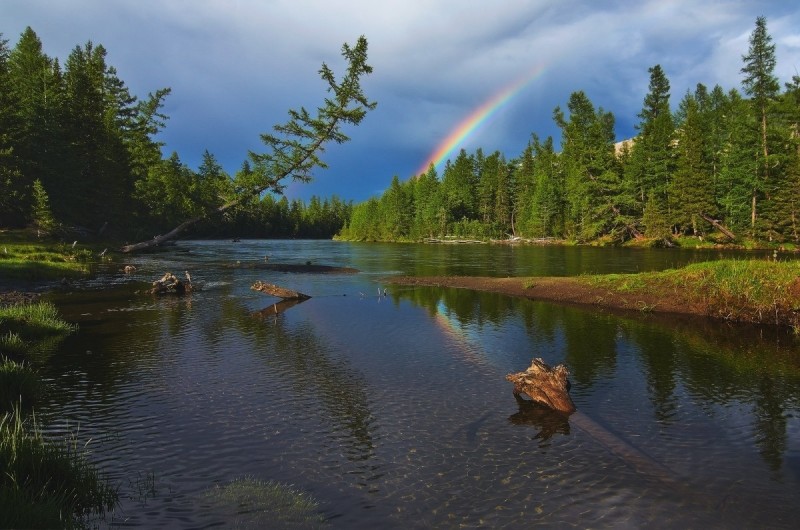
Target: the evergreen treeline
(280, 218)
(77, 149)
(722, 159)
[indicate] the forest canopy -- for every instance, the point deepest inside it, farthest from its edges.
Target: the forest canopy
(723, 163)
(79, 152)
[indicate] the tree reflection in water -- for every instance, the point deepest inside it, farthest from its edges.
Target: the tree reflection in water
(548, 421)
(683, 360)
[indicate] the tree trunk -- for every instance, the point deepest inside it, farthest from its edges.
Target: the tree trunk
(719, 226)
(175, 232)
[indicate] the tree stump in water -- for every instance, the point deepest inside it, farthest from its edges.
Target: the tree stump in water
(280, 292)
(170, 284)
(545, 385)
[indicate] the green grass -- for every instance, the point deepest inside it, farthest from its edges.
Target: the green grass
(261, 504)
(11, 344)
(33, 321)
(761, 291)
(45, 484)
(25, 258)
(19, 385)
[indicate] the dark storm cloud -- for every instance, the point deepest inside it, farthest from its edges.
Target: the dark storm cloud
(236, 67)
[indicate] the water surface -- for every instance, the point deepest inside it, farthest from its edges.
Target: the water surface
(393, 411)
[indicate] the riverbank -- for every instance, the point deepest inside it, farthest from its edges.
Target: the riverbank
(752, 291)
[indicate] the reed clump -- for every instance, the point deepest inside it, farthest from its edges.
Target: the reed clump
(47, 484)
(20, 385)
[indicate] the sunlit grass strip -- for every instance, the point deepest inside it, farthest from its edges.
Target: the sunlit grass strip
(23, 269)
(33, 321)
(44, 484)
(19, 384)
(268, 503)
(40, 261)
(744, 290)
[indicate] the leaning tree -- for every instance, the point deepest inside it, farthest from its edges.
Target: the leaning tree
(293, 150)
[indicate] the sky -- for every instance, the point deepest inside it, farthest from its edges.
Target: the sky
(448, 74)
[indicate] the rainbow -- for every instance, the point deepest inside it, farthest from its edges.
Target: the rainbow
(478, 117)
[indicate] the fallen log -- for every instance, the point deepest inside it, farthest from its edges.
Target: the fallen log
(719, 226)
(545, 385)
(280, 292)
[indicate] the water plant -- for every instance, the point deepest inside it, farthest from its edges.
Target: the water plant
(259, 503)
(12, 344)
(47, 484)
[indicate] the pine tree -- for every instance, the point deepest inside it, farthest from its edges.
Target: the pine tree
(396, 211)
(547, 214)
(588, 164)
(692, 188)
(655, 223)
(504, 196)
(14, 192)
(42, 215)
(651, 155)
(458, 187)
(427, 202)
(523, 198)
(762, 86)
(782, 211)
(738, 172)
(34, 84)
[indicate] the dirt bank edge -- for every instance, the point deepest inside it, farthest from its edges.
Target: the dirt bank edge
(567, 290)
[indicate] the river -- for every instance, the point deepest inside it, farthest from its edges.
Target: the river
(392, 411)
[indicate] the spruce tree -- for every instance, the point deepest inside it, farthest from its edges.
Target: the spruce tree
(34, 84)
(692, 188)
(427, 201)
(651, 155)
(14, 188)
(42, 215)
(588, 163)
(738, 172)
(656, 226)
(762, 86)
(547, 217)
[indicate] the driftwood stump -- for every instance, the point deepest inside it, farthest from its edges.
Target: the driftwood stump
(280, 292)
(170, 284)
(545, 385)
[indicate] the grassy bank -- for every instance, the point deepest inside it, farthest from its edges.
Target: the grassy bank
(45, 484)
(24, 257)
(26, 332)
(758, 291)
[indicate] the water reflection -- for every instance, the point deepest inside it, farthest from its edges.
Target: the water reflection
(546, 420)
(271, 311)
(685, 361)
(336, 388)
